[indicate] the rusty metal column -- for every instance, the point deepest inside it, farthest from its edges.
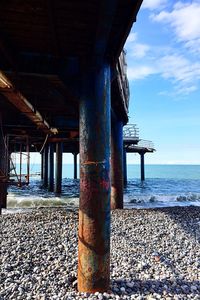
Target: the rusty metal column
(142, 166)
(75, 165)
(51, 168)
(116, 164)
(94, 210)
(58, 177)
(45, 166)
(125, 167)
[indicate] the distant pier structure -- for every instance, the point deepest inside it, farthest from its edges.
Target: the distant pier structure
(133, 144)
(63, 88)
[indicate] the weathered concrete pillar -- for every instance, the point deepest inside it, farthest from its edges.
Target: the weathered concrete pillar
(58, 177)
(51, 168)
(125, 167)
(3, 172)
(45, 166)
(94, 210)
(142, 166)
(75, 165)
(116, 164)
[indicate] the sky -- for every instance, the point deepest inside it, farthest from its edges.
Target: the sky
(163, 51)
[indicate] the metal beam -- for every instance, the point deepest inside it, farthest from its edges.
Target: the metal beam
(23, 105)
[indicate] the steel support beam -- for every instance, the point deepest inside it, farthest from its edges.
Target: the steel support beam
(142, 166)
(94, 210)
(51, 168)
(45, 166)
(125, 167)
(116, 164)
(75, 165)
(58, 177)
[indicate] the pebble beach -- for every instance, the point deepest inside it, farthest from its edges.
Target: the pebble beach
(155, 254)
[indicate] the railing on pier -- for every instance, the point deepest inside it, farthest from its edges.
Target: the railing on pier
(131, 133)
(133, 143)
(146, 144)
(123, 79)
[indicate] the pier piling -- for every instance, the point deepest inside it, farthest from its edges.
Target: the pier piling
(42, 165)
(116, 164)
(45, 166)
(94, 209)
(125, 167)
(75, 165)
(51, 168)
(142, 166)
(58, 177)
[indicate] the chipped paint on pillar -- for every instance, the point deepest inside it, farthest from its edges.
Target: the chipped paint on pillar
(94, 210)
(117, 164)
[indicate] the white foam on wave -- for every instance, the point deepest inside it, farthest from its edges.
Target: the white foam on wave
(34, 201)
(149, 201)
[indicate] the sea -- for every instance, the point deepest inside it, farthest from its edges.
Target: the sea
(164, 186)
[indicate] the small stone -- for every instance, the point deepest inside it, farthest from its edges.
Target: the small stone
(157, 258)
(130, 285)
(193, 288)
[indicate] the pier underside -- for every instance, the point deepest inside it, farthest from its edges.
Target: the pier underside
(62, 79)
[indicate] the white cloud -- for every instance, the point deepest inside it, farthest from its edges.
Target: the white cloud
(168, 59)
(183, 74)
(154, 4)
(140, 72)
(185, 21)
(179, 69)
(132, 37)
(135, 49)
(139, 50)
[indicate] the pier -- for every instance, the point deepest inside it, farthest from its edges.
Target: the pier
(64, 88)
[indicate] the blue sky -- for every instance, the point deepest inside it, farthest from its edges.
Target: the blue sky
(163, 51)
